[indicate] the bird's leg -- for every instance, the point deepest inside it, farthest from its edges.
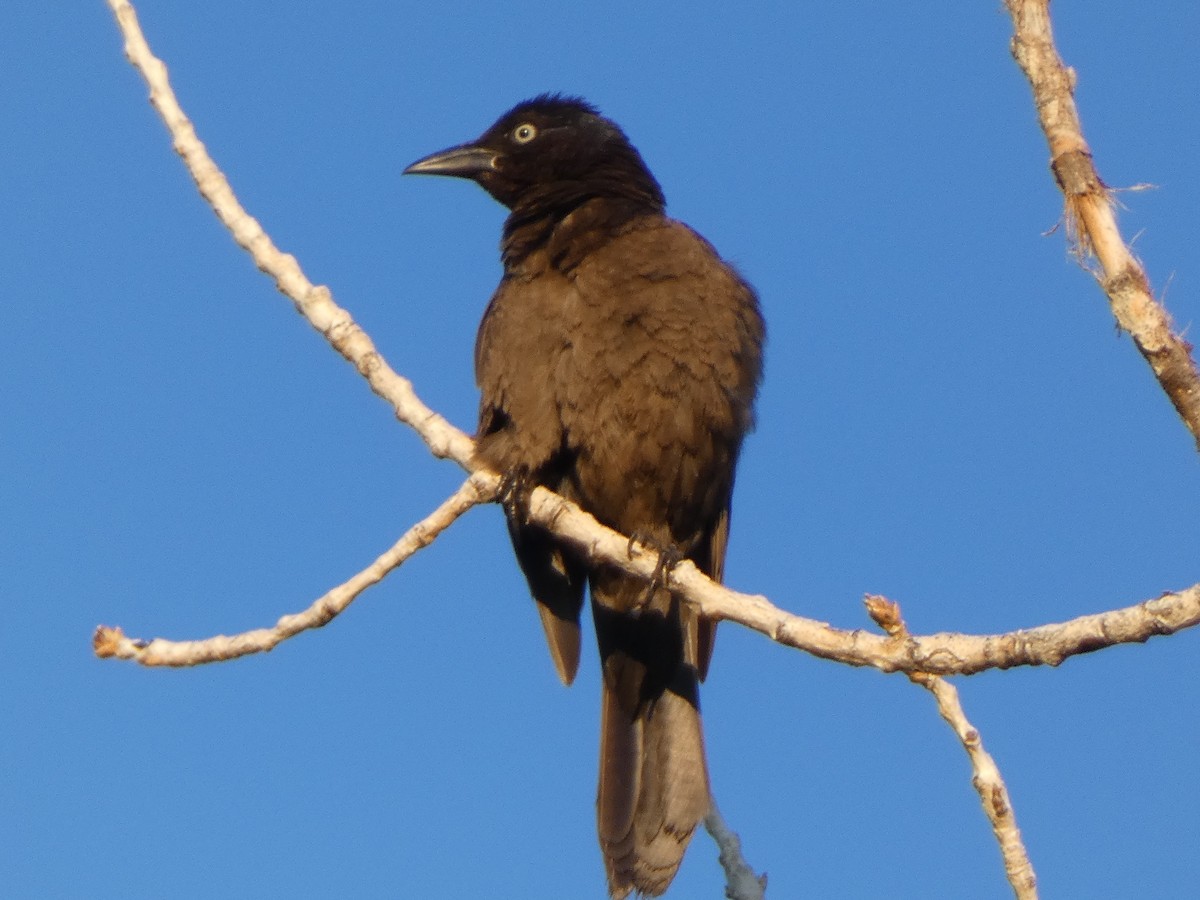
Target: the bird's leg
(515, 487)
(669, 556)
(635, 538)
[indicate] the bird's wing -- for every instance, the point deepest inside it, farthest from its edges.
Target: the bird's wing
(714, 567)
(556, 582)
(519, 355)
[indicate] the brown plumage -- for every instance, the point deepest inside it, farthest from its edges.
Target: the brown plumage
(618, 362)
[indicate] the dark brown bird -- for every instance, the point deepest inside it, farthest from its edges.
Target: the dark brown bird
(618, 362)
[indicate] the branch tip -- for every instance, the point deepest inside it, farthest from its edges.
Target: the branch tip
(106, 640)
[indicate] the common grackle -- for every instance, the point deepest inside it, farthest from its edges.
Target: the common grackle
(618, 363)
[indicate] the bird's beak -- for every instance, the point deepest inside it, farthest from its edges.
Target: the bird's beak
(465, 161)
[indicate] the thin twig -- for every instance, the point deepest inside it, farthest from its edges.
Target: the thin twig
(1089, 212)
(740, 881)
(109, 641)
(993, 793)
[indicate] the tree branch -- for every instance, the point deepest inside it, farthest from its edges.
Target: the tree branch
(1089, 212)
(938, 654)
(108, 641)
(987, 779)
(314, 302)
(740, 881)
(942, 654)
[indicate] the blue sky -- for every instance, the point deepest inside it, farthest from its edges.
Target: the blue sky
(949, 418)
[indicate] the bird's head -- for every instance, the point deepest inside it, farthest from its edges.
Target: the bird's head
(550, 152)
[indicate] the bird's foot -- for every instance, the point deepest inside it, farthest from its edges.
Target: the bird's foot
(515, 487)
(669, 556)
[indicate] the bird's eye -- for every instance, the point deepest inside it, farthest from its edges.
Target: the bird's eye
(524, 133)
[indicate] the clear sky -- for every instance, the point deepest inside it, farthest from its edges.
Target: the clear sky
(949, 418)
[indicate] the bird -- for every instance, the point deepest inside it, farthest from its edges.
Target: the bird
(618, 364)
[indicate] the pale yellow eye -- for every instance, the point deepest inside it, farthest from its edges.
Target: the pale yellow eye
(524, 133)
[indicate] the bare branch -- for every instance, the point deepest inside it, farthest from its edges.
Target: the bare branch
(109, 641)
(740, 881)
(314, 302)
(987, 779)
(938, 654)
(1089, 212)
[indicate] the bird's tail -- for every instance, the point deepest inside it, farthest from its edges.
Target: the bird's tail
(653, 779)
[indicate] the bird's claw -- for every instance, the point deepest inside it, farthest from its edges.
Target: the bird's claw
(669, 556)
(515, 487)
